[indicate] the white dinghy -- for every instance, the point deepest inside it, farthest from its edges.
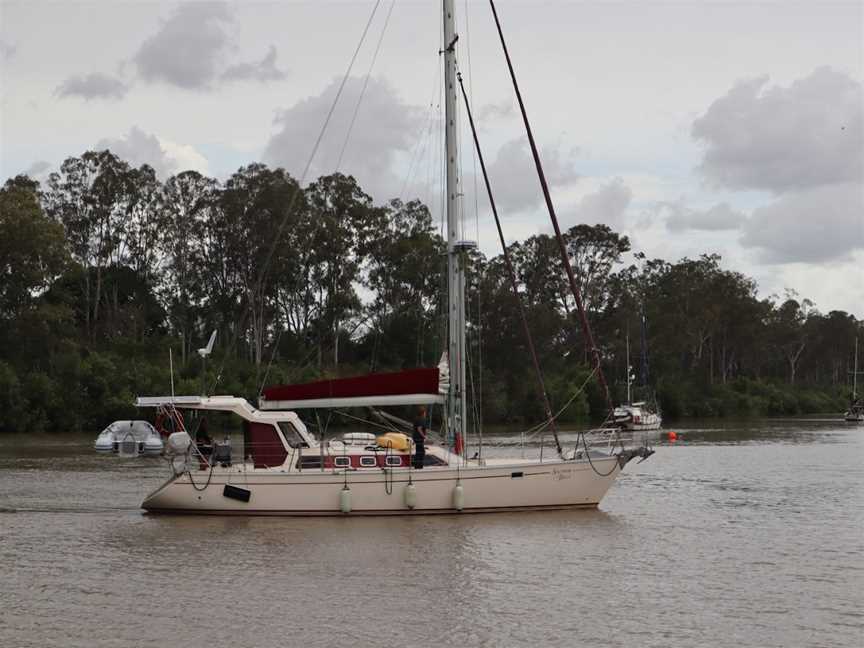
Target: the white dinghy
(129, 439)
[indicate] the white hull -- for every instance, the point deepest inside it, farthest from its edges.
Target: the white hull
(509, 486)
(636, 418)
(644, 426)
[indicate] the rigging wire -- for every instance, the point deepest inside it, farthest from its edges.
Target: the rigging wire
(540, 427)
(299, 189)
(541, 384)
(574, 288)
(365, 84)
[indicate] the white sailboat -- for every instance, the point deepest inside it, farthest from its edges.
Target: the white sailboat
(637, 416)
(286, 470)
(855, 413)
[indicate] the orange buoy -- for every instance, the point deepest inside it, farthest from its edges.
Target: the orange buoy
(672, 436)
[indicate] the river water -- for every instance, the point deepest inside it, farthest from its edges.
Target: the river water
(738, 534)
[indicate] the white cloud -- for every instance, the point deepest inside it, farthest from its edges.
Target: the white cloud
(385, 128)
(719, 217)
(785, 138)
(262, 71)
(513, 175)
(815, 225)
(189, 47)
(490, 111)
(38, 170)
(608, 205)
(184, 157)
(93, 86)
(165, 156)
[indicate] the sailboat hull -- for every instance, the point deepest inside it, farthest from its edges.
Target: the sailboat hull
(512, 487)
(653, 423)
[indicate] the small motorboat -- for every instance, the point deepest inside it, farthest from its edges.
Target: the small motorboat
(130, 439)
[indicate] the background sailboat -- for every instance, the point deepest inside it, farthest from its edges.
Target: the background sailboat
(640, 415)
(855, 413)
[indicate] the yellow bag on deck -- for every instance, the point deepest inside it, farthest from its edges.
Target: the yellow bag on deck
(394, 440)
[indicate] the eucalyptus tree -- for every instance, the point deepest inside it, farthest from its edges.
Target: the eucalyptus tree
(791, 326)
(145, 225)
(246, 248)
(404, 272)
(89, 196)
(537, 271)
(188, 206)
(33, 251)
(345, 225)
(594, 250)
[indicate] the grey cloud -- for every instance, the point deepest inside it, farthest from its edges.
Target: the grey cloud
(38, 170)
(719, 217)
(386, 128)
(263, 70)
(514, 178)
(607, 205)
(189, 47)
(93, 86)
(494, 111)
(820, 224)
(138, 148)
(784, 138)
(7, 50)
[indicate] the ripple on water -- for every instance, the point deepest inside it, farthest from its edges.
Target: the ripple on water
(739, 542)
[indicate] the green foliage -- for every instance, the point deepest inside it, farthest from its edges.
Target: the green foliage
(32, 248)
(106, 268)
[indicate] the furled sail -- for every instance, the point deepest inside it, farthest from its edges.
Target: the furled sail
(409, 387)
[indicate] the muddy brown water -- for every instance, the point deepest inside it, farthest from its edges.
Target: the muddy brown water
(739, 534)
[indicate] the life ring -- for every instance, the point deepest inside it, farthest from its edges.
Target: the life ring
(168, 422)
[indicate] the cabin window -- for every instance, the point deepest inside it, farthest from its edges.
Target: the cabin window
(342, 462)
(432, 460)
(291, 435)
(367, 461)
(393, 460)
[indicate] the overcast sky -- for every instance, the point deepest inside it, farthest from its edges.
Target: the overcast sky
(693, 127)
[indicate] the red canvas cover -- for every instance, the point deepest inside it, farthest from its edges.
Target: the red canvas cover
(266, 446)
(399, 383)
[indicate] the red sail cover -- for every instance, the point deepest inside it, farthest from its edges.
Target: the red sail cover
(399, 383)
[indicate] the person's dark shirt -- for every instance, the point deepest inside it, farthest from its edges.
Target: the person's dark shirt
(419, 428)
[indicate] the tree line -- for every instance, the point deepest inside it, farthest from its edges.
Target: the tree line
(105, 268)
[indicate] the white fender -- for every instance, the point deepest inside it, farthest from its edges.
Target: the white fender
(410, 496)
(458, 497)
(345, 500)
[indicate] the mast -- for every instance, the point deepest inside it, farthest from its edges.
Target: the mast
(456, 403)
(627, 366)
(855, 373)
